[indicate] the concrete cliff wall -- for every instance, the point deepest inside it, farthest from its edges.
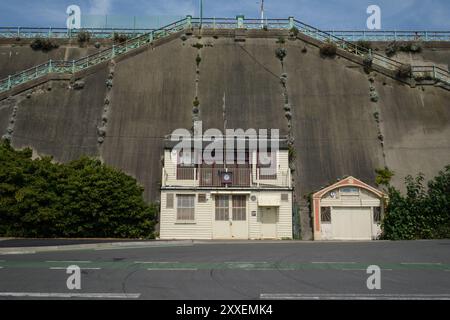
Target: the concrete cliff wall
(333, 119)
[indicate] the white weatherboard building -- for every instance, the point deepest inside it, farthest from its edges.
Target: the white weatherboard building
(227, 201)
(348, 210)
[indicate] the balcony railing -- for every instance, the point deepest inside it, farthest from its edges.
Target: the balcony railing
(214, 177)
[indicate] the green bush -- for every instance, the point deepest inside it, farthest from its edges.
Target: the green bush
(43, 44)
(119, 37)
(84, 198)
(364, 44)
(423, 213)
(404, 71)
(83, 37)
(328, 49)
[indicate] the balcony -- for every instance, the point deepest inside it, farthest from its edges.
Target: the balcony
(239, 177)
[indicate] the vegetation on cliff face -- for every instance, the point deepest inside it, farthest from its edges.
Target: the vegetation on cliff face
(84, 198)
(423, 213)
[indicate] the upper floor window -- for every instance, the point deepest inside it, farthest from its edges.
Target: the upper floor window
(267, 165)
(185, 207)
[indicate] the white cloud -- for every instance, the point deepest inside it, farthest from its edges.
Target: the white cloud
(101, 7)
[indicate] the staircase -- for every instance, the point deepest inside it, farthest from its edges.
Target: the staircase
(424, 75)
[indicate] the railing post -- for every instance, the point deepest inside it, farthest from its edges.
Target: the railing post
(50, 32)
(50, 66)
(426, 36)
(189, 21)
(73, 66)
(291, 23)
(113, 51)
(240, 21)
(434, 72)
(18, 32)
(9, 82)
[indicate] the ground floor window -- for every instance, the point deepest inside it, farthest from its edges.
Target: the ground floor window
(239, 207)
(222, 208)
(185, 207)
(325, 214)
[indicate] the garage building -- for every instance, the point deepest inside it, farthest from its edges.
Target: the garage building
(348, 210)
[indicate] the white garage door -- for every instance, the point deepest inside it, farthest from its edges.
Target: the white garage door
(351, 223)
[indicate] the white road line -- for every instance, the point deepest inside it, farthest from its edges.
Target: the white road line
(72, 295)
(73, 261)
(422, 263)
(17, 252)
(331, 262)
(301, 296)
(172, 269)
(150, 262)
(246, 262)
(61, 268)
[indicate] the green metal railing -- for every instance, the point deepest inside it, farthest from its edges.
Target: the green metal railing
(418, 72)
(71, 67)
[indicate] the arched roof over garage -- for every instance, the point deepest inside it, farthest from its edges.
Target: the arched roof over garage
(348, 182)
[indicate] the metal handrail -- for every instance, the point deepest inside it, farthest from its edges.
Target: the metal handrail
(439, 74)
(71, 67)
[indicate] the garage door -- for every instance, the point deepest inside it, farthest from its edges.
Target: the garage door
(349, 223)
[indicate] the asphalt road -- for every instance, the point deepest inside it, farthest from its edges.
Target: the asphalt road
(240, 270)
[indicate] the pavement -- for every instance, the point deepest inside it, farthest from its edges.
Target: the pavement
(209, 270)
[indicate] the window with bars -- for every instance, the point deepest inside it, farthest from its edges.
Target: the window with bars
(325, 214)
(239, 208)
(185, 207)
(376, 214)
(222, 208)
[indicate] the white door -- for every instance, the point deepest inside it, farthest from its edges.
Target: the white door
(351, 223)
(268, 222)
(230, 217)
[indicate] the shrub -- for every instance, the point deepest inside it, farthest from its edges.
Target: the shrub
(422, 213)
(328, 49)
(391, 49)
(84, 198)
(294, 31)
(198, 60)
(384, 175)
(364, 44)
(198, 45)
(119, 37)
(412, 46)
(196, 102)
(404, 71)
(281, 53)
(83, 37)
(43, 44)
(281, 40)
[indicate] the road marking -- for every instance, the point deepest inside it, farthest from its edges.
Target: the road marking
(61, 268)
(330, 262)
(72, 295)
(150, 262)
(350, 269)
(422, 263)
(73, 261)
(172, 269)
(18, 252)
(301, 296)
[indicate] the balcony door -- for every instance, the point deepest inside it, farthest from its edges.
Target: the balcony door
(230, 217)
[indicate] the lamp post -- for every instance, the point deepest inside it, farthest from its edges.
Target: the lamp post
(201, 13)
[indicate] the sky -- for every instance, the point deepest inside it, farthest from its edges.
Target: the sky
(324, 14)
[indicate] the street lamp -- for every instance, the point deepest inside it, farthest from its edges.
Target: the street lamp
(201, 13)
